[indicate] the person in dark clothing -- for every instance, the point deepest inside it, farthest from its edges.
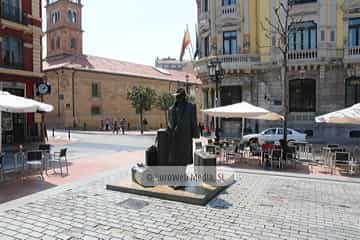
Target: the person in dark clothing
(201, 129)
(122, 125)
(116, 128)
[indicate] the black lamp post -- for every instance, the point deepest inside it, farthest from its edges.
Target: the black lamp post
(216, 73)
(187, 84)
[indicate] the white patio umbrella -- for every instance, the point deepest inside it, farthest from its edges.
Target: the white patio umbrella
(349, 115)
(15, 104)
(243, 110)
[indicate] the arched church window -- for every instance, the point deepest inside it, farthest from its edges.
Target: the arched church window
(72, 16)
(73, 43)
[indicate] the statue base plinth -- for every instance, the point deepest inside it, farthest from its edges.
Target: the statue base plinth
(196, 195)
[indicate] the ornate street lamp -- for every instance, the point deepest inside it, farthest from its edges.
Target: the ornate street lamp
(216, 73)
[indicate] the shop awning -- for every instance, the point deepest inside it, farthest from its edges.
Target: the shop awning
(349, 115)
(16, 104)
(243, 110)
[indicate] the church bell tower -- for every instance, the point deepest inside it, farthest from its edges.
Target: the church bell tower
(64, 32)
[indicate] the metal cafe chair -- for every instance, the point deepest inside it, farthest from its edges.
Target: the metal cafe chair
(198, 147)
(61, 158)
(342, 160)
(34, 163)
(46, 149)
(276, 157)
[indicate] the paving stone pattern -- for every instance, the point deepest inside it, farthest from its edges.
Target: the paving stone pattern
(256, 207)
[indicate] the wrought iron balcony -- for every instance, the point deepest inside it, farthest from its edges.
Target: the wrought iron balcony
(12, 13)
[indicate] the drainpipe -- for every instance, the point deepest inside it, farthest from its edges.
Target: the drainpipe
(73, 97)
(58, 93)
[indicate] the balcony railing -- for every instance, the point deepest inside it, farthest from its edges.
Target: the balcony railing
(230, 11)
(354, 51)
(12, 13)
(235, 61)
(308, 54)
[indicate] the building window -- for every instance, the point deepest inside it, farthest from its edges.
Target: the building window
(302, 95)
(302, 1)
(55, 17)
(58, 42)
(303, 36)
(229, 42)
(354, 32)
(206, 5)
(352, 91)
(95, 110)
(332, 36)
(73, 43)
(206, 46)
(228, 2)
(354, 134)
(52, 43)
(10, 10)
(322, 35)
(72, 16)
(95, 90)
(12, 52)
(230, 95)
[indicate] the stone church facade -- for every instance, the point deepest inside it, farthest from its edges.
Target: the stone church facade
(91, 91)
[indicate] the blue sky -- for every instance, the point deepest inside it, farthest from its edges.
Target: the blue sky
(137, 30)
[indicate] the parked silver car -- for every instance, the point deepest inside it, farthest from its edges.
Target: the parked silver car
(274, 135)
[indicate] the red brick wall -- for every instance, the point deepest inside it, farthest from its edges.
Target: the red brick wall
(28, 59)
(27, 6)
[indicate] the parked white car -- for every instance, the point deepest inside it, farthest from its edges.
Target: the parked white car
(274, 135)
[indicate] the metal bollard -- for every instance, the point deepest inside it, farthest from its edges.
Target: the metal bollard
(53, 132)
(69, 134)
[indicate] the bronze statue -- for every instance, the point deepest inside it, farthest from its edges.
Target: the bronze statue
(182, 129)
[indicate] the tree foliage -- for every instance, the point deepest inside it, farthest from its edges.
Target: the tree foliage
(164, 101)
(142, 99)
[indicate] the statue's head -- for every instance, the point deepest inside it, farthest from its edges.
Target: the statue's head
(180, 95)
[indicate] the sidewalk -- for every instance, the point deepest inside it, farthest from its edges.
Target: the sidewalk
(79, 169)
(128, 133)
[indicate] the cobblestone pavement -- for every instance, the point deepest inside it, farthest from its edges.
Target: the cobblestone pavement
(256, 207)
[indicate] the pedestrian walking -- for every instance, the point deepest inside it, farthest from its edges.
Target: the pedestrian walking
(116, 128)
(122, 125)
(201, 128)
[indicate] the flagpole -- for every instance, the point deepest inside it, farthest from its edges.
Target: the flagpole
(191, 45)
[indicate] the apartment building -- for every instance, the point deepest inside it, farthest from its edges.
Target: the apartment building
(324, 61)
(20, 64)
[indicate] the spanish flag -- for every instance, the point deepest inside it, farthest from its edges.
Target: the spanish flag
(185, 43)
